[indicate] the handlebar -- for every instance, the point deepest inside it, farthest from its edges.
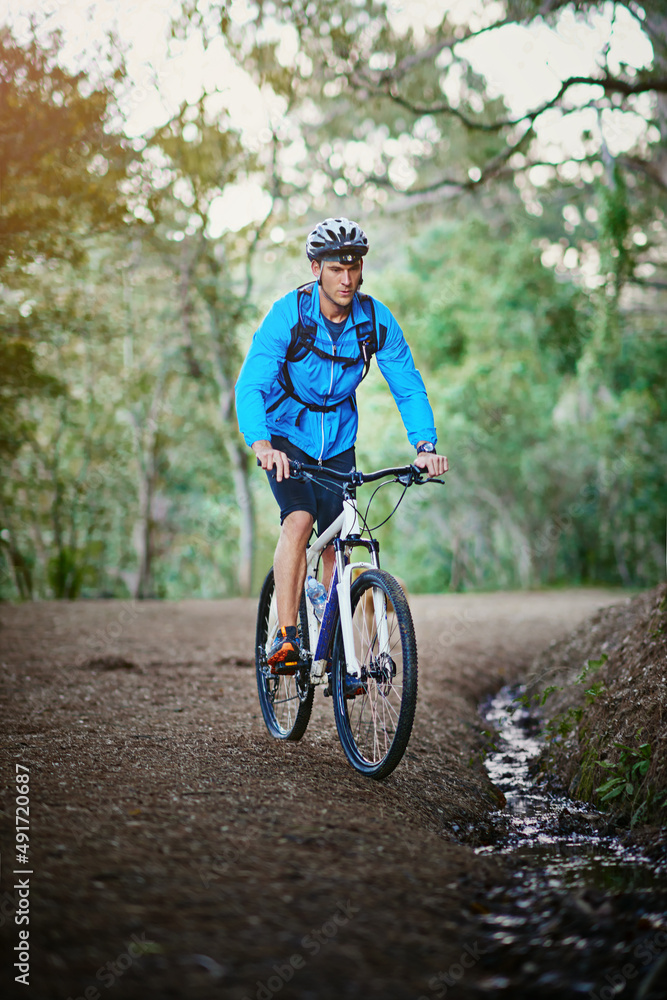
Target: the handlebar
(405, 474)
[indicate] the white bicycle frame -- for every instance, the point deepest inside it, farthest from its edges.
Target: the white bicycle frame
(345, 525)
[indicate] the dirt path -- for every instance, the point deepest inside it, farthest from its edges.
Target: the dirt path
(177, 851)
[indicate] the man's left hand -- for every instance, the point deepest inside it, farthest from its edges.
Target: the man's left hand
(434, 464)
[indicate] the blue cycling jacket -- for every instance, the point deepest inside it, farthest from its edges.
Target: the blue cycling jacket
(319, 381)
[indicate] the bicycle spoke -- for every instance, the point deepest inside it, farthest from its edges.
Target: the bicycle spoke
(374, 726)
(375, 732)
(286, 711)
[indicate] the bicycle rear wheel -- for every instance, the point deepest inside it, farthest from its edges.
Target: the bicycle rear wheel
(286, 700)
(374, 726)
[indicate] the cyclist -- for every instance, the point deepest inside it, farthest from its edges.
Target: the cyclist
(295, 399)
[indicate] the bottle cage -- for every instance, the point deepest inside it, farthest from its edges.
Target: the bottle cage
(303, 342)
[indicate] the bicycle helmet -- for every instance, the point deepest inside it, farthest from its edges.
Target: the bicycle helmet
(337, 239)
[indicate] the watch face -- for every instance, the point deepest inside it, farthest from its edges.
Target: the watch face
(427, 447)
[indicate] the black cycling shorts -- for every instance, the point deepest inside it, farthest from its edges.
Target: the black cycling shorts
(324, 503)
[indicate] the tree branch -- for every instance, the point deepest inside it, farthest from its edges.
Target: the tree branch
(608, 83)
(436, 48)
(647, 167)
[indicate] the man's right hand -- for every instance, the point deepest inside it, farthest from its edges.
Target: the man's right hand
(268, 457)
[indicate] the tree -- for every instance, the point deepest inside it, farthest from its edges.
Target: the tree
(61, 169)
(496, 336)
(214, 275)
(375, 80)
(539, 331)
(55, 497)
(61, 164)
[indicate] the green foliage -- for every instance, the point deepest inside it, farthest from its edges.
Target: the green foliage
(564, 722)
(593, 692)
(61, 164)
(591, 667)
(628, 780)
(20, 380)
(121, 457)
(65, 573)
(477, 305)
(543, 434)
(61, 167)
(615, 222)
(549, 690)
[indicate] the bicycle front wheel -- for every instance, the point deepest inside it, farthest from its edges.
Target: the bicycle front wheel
(286, 700)
(374, 724)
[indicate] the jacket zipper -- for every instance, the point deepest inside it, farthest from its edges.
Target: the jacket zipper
(330, 388)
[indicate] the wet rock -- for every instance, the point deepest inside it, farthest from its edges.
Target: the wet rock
(582, 823)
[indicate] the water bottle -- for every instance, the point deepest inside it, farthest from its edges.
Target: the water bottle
(318, 596)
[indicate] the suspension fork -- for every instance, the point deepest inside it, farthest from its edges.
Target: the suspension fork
(344, 573)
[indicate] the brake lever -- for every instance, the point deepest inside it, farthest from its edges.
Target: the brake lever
(408, 478)
(417, 476)
(295, 471)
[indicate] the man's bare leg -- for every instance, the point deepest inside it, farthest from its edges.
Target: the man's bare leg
(328, 560)
(289, 565)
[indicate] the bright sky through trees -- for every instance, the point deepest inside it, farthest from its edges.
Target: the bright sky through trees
(525, 69)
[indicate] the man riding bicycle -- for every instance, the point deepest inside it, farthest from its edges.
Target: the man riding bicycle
(296, 399)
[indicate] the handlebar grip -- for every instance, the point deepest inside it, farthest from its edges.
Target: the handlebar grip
(295, 468)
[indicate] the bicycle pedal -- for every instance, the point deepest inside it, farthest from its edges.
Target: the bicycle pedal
(353, 694)
(283, 668)
(354, 686)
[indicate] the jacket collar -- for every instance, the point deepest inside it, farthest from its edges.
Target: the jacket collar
(311, 309)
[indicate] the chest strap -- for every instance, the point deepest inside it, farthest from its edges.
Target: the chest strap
(303, 342)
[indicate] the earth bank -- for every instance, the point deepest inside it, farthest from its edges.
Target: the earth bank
(604, 689)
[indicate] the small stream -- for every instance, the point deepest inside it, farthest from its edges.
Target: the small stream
(571, 842)
(581, 912)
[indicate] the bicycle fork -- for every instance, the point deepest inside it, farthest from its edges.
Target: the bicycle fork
(322, 636)
(340, 600)
(345, 605)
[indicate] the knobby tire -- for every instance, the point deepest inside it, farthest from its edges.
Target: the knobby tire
(286, 700)
(374, 727)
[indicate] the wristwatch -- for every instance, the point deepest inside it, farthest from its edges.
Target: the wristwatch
(427, 446)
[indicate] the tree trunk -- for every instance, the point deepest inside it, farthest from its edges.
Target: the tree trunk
(239, 465)
(235, 450)
(143, 536)
(145, 437)
(20, 569)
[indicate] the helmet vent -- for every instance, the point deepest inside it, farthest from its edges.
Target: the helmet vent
(333, 235)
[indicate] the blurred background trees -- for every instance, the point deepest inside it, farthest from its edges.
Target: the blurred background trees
(519, 239)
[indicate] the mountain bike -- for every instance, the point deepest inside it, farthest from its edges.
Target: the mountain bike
(363, 652)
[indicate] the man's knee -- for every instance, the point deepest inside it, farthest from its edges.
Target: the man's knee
(298, 524)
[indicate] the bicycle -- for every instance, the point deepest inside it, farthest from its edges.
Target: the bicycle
(364, 650)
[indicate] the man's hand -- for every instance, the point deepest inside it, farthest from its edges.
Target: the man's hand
(434, 464)
(268, 456)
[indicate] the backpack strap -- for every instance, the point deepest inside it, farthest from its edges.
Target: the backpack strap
(372, 341)
(303, 341)
(303, 336)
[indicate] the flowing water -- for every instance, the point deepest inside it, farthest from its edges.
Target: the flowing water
(569, 841)
(580, 912)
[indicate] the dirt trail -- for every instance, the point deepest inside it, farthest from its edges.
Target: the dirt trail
(178, 851)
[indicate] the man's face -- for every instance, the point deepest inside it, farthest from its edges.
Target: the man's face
(339, 281)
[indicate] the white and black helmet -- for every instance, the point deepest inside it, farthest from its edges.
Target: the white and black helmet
(337, 239)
